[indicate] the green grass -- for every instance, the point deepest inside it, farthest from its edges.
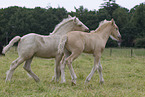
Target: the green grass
(124, 76)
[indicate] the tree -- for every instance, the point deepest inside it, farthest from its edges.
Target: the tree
(110, 6)
(140, 42)
(121, 16)
(20, 21)
(87, 17)
(103, 14)
(5, 15)
(138, 19)
(135, 28)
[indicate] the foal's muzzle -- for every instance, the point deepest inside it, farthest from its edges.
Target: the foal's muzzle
(87, 30)
(120, 40)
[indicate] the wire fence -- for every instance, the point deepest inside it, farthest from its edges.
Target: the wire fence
(126, 52)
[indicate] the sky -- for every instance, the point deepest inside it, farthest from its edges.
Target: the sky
(67, 4)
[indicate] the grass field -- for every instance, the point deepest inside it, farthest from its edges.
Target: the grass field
(124, 76)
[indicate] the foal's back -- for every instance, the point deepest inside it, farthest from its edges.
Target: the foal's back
(38, 45)
(81, 42)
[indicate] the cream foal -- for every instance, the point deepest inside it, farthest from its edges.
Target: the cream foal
(42, 46)
(76, 42)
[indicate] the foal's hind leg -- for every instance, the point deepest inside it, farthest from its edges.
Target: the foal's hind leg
(57, 68)
(13, 66)
(27, 67)
(62, 67)
(69, 60)
(63, 63)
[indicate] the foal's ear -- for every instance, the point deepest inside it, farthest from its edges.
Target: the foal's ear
(69, 16)
(113, 22)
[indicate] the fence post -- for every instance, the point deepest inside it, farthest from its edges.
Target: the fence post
(110, 51)
(15, 48)
(131, 52)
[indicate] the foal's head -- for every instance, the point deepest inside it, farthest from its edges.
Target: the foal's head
(115, 35)
(79, 26)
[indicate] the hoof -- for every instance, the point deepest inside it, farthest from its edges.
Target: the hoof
(87, 81)
(73, 82)
(53, 77)
(101, 82)
(63, 82)
(6, 81)
(37, 81)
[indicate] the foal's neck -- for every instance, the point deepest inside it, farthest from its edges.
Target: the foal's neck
(105, 32)
(65, 28)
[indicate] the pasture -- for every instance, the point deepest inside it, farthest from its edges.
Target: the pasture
(124, 76)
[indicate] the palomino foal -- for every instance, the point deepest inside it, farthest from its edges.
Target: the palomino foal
(42, 46)
(76, 42)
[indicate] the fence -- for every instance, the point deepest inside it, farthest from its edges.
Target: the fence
(130, 52)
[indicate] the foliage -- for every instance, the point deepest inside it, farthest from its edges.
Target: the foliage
(123, 75)
(138, 19)
(140, 42)
(20, 21)
(110, 6)
(121, 17)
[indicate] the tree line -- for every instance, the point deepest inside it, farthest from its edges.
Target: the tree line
(21, 21)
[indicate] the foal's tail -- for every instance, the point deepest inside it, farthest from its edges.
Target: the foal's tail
(11, 43)
(62, 44)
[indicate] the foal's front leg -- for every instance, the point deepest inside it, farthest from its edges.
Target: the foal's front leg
(99, 69)
(97, 66)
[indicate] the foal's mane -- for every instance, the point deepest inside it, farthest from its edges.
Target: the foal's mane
(101, 24)
(64, 21)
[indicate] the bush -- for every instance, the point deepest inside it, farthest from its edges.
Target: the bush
(140, 42)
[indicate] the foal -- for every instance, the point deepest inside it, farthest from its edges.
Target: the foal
(32, 45)
(73, 44)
